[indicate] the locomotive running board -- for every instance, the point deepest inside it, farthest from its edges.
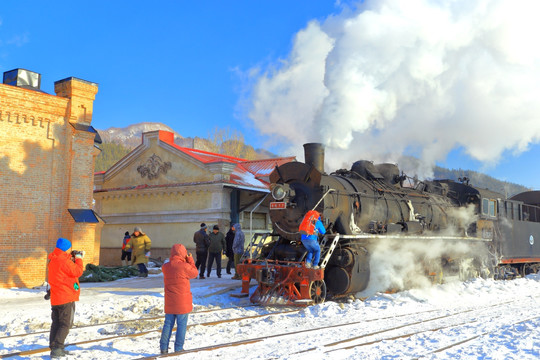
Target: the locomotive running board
(415, 237)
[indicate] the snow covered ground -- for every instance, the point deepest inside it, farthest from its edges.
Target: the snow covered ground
(478, 319)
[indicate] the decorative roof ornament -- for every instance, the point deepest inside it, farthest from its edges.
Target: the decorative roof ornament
(153, 167)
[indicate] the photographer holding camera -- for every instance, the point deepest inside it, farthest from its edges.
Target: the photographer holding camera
(178, 299)
(65, 268)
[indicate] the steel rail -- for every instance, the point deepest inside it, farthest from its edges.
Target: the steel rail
(211, 323)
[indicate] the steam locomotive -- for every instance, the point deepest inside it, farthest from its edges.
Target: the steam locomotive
(477, 232)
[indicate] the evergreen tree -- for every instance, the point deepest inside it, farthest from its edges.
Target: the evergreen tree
(111, 153)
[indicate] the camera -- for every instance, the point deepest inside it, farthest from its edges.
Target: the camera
(47, 295)
(77, 252)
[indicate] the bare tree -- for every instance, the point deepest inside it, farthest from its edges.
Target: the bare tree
(230, 142)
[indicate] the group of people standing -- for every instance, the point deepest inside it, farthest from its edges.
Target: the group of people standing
(210, 247)
(65, 268)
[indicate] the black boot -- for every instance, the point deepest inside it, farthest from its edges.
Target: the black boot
(56, 353)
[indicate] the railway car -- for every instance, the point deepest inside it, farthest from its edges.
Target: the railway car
(482, 232)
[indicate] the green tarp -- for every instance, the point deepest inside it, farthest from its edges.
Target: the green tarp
(95, 273)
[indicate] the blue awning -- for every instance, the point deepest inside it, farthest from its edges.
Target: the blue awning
(84, 215)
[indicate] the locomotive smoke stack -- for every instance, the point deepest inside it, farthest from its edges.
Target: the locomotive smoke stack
(314, 155)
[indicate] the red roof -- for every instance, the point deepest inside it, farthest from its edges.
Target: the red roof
(247, 173)
(263, 167)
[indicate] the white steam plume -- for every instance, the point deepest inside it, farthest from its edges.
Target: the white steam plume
(398, 264)
(396, 76)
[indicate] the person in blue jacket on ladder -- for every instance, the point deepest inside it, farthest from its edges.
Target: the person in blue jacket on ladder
(310, 228)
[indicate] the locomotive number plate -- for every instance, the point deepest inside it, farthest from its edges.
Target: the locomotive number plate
(277, 205)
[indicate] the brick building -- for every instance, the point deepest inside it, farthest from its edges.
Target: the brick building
(46, 174)
(169, 190)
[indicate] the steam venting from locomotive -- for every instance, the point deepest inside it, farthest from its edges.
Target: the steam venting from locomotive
(399, 264)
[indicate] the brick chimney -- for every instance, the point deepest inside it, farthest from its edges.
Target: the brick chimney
(82, 94)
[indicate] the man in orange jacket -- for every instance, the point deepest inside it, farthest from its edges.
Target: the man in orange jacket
(64, 273)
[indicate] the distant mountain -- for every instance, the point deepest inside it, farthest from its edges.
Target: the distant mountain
(131, 137)
(410, 165)
(480, 180)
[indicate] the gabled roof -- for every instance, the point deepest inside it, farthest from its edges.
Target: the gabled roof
(206, 157)
(248, 174)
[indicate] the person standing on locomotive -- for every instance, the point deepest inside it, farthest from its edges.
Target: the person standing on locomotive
(310, 228)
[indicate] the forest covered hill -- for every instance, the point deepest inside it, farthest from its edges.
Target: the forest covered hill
(480, 180)
(118, 142)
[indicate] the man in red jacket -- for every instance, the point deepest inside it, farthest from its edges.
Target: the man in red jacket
(64, 273)
(178, 299)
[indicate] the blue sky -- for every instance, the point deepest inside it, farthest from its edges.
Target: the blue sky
(175, 62)
(373, 79)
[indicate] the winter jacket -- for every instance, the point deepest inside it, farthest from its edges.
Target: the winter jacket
(229, 239)
(141, 245)
(201, 240)
(64, 277)
(124, 243)
(239, 239)
(307, 226)
(318, 229)
(176, 275)
(217, 242)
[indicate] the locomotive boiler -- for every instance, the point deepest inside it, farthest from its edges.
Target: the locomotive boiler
(370, 203)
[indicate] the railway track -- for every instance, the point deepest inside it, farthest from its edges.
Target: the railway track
(401, 322)
(130, 335)
(461, 342)
(336, 327)
(489, 318)
(149, 318)
(414, 333)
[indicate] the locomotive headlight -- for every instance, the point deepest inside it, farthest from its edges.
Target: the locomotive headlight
(279, 192)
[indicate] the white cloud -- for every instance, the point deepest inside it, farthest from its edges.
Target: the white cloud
(395, 75)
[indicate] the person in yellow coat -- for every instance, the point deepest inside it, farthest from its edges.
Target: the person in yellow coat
(141, 244)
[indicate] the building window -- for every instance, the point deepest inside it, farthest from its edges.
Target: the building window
(489, 207)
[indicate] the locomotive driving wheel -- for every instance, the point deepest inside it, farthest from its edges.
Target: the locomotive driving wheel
(317, 291)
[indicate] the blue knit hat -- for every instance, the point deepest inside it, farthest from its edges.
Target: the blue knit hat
(63, 244)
